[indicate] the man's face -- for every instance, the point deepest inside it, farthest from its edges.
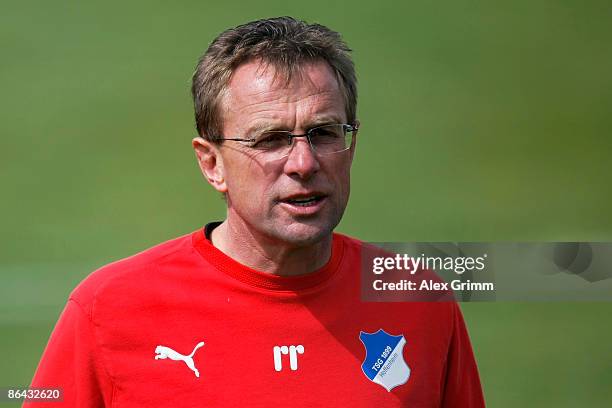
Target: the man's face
(263, 194)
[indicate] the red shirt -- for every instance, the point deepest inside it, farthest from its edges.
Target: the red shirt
(182, 324)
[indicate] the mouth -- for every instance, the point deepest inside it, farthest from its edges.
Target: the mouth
(304, 204)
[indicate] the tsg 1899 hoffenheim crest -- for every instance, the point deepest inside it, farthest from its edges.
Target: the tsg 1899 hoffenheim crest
(384, 362)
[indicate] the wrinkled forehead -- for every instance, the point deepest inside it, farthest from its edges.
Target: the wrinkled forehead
(257, 81)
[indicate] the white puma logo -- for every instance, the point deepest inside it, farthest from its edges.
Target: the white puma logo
(162, 352)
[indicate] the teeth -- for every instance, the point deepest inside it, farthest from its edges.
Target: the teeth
(303, 201)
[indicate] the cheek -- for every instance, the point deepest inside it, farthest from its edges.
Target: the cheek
(251, 184)
(345, 189)
(342, 178)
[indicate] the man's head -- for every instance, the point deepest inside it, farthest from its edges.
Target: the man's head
(276, 75)
(284, 43)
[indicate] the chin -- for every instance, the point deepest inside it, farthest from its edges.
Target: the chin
(303, 234)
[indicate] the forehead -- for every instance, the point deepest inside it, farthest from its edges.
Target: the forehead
(259, 91)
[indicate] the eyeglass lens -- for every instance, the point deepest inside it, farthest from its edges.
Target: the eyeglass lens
(325, 139)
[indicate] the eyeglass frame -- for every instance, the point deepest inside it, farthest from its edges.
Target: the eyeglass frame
(346, 127)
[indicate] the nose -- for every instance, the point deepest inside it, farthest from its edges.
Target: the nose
(301, 161)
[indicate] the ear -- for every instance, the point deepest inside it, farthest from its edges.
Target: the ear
(210, 162)
(358, 124)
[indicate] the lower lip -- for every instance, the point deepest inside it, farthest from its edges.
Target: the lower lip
(310, 209)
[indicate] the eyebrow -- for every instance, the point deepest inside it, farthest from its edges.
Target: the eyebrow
(264, 127)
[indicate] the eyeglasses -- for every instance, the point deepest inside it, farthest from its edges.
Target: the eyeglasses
(325, 139)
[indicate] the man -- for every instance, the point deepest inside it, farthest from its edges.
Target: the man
(263, 308)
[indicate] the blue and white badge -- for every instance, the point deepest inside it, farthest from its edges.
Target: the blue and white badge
(384, 362)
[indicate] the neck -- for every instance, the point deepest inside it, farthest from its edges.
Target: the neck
(267, 255)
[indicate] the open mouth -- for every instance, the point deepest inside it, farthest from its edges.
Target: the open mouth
(304, 202)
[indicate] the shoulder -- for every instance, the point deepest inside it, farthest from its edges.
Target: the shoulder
(356, 247)
(348, 243)
(130, 272)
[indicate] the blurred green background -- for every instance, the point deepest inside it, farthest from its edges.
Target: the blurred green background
(482, 121)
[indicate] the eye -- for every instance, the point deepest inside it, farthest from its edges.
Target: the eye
(271, 141)
(326, 134)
